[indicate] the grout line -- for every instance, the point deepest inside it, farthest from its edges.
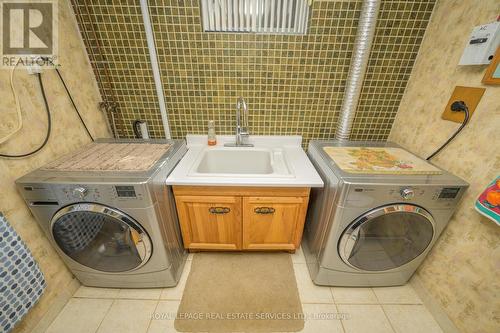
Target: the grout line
(171, 299)
(376, 297)
(152, 314)
(118, 298)
(388, 319)
(329, 303)
(94, 297)
(341, 321)
(333, 296)
(105, 315)
(357, 303)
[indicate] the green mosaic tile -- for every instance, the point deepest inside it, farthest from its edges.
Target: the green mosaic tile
(293, 84)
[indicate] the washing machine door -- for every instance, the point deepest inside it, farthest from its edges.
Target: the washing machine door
(101, 238)
(387, 237)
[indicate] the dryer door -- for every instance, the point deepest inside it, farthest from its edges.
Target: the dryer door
(101, 238)
(387, 237)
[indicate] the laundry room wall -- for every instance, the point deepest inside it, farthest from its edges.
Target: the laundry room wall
(68, 135)
(293, 84)
(462, 270)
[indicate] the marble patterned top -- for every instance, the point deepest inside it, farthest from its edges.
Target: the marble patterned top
(385, 160)
(111, 157)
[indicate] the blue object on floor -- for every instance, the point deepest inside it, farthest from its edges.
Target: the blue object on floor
(21, 281)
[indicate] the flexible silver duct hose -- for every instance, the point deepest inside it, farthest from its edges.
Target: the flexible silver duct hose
(359, 61)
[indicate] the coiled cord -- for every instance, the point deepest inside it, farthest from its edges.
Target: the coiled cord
(49, 125)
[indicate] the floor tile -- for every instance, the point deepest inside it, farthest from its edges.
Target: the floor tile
(190, 256)
(364, 318)
(164, 316)
(176, 292)
(80, 315)
(397, 295)
(153, 293)
(308, 291)
(91, 292)
(411, 319)
(321, 318)
(128, 316)
(354, 296)
(298, 256)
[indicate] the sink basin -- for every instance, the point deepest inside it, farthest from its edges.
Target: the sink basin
(235, 161)
(273, 161)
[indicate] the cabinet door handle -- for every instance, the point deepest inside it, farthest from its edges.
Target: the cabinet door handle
(264, 210)
(219, 210)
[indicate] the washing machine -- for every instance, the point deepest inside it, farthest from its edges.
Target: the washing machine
(377, 217)
(109, 214)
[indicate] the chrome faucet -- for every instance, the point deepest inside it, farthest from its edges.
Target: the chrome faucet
(241, 125)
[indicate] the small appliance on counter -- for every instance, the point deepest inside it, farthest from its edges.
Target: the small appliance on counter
(380, 212)
(109, 214)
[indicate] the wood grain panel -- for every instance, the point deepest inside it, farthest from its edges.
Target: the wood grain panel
(279, 227)
(203, 229)
(242, 191)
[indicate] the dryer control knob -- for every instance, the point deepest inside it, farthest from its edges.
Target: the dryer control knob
(80, 192)
(407, 193)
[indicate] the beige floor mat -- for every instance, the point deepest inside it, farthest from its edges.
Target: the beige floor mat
(240, 292)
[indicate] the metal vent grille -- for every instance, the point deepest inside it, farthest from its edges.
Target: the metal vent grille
(259, 16)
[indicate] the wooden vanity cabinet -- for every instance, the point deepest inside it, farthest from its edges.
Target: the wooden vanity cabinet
(241, 218)
(210, 222)
(273, 223)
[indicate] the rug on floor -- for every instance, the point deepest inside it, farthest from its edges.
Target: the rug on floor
(240, 292)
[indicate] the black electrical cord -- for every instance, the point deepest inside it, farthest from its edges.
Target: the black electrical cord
(455, 106)
(49, 125)
(73, 103)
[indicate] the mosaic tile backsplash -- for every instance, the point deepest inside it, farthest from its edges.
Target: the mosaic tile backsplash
(293, 84)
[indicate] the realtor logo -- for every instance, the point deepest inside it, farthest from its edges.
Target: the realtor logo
(28, 32)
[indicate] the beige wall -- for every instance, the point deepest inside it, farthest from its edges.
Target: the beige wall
(68, 134)
(462, 270)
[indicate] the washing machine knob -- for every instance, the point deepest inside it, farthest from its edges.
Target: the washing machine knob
(407, 193)
(80, 192)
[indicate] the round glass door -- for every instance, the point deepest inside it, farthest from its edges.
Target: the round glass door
(387, 237)
(101, 237)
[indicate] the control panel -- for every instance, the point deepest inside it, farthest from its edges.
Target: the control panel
(132, 195)
(404, 193)
(125, 192)
(446, 193)
(78, 192)
(407, 193)
(431, 195)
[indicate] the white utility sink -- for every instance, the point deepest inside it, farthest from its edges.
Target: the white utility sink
(272, 161)
(241, 162)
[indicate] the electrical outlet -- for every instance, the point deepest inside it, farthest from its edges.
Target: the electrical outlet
(34, 66)
(470, 95)
(34, 69)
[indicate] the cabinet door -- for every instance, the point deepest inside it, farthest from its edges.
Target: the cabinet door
(273, 223)
(210, 222)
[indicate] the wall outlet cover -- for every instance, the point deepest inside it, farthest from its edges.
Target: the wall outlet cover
(470, 95)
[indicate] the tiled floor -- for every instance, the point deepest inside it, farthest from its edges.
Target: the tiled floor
(358, 310)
